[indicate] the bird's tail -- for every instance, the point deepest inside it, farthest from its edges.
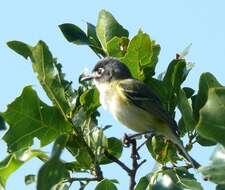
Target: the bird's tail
(184, 152)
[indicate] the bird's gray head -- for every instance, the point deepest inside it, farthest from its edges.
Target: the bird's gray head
(109, 69)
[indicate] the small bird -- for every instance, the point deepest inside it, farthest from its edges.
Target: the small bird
(133, 103)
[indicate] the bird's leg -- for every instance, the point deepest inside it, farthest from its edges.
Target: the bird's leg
(127, 137)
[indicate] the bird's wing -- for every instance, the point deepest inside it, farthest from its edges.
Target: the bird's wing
(142, 96)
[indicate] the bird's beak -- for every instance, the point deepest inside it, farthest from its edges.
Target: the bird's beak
(86, 78)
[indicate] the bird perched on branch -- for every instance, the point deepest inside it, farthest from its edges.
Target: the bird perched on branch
(133, 103)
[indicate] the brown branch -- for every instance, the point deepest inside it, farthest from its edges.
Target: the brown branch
(129, 141)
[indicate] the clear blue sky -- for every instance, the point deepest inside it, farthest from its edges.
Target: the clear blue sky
(173, 24)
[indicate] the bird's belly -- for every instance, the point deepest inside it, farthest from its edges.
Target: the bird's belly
(131, 116)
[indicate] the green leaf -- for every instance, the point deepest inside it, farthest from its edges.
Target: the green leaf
(117, 47)
(51, 173)
(49, 74)
(139, 55)
(211, 123)
(14, 161)
(105, 184)
(181, 178)
(220, 187)
(107, 28)
(115, 147)
(90, 100)
(2, 123)
(207, 81)
(28, 117)
(188, 92)
(175, 75)
(161, 151)
(142, 184)
(29, 179)
(186, 111)
(216, 170)
(74, 34)
(91, 33)
(20, 48)
(59, 145)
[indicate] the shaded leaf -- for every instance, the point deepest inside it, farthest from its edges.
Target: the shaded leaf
(20, 48)
(29, 179)
(142, 184)
(14, 161)
(59, 145)
(206, 81)
(216, 170)
(91, 34)
(2, 123)
(27, 122)
(105, 184)
(107, 28)
(211, 123)
(74, 34)
(115, 148)
(186, 111)
(220, 187)
(51, 173)
(161, 151)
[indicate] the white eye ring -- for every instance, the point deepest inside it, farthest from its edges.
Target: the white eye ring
(99, 72)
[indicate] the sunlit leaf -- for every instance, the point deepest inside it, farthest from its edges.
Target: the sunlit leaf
(48, 74)
(139, 55)
(107, 28)
(215, 171)
(105, 184)
(28, 117)
(211, 123)
(15, 160)
(117, 47)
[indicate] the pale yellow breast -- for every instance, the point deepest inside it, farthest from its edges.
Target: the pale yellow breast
(133, 117)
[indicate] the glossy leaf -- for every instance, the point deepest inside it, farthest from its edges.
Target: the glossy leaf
(28, 118)
(74, 34)
(211, 123)
(107, 28)
(48, 74)
(15, 160)
(105, 184)
(216, 170)
(59, 145)
(51, 173)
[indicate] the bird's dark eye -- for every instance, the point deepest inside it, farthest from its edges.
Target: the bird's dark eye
(99, 71)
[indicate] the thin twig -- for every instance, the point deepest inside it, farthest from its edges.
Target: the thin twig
(114, 159)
